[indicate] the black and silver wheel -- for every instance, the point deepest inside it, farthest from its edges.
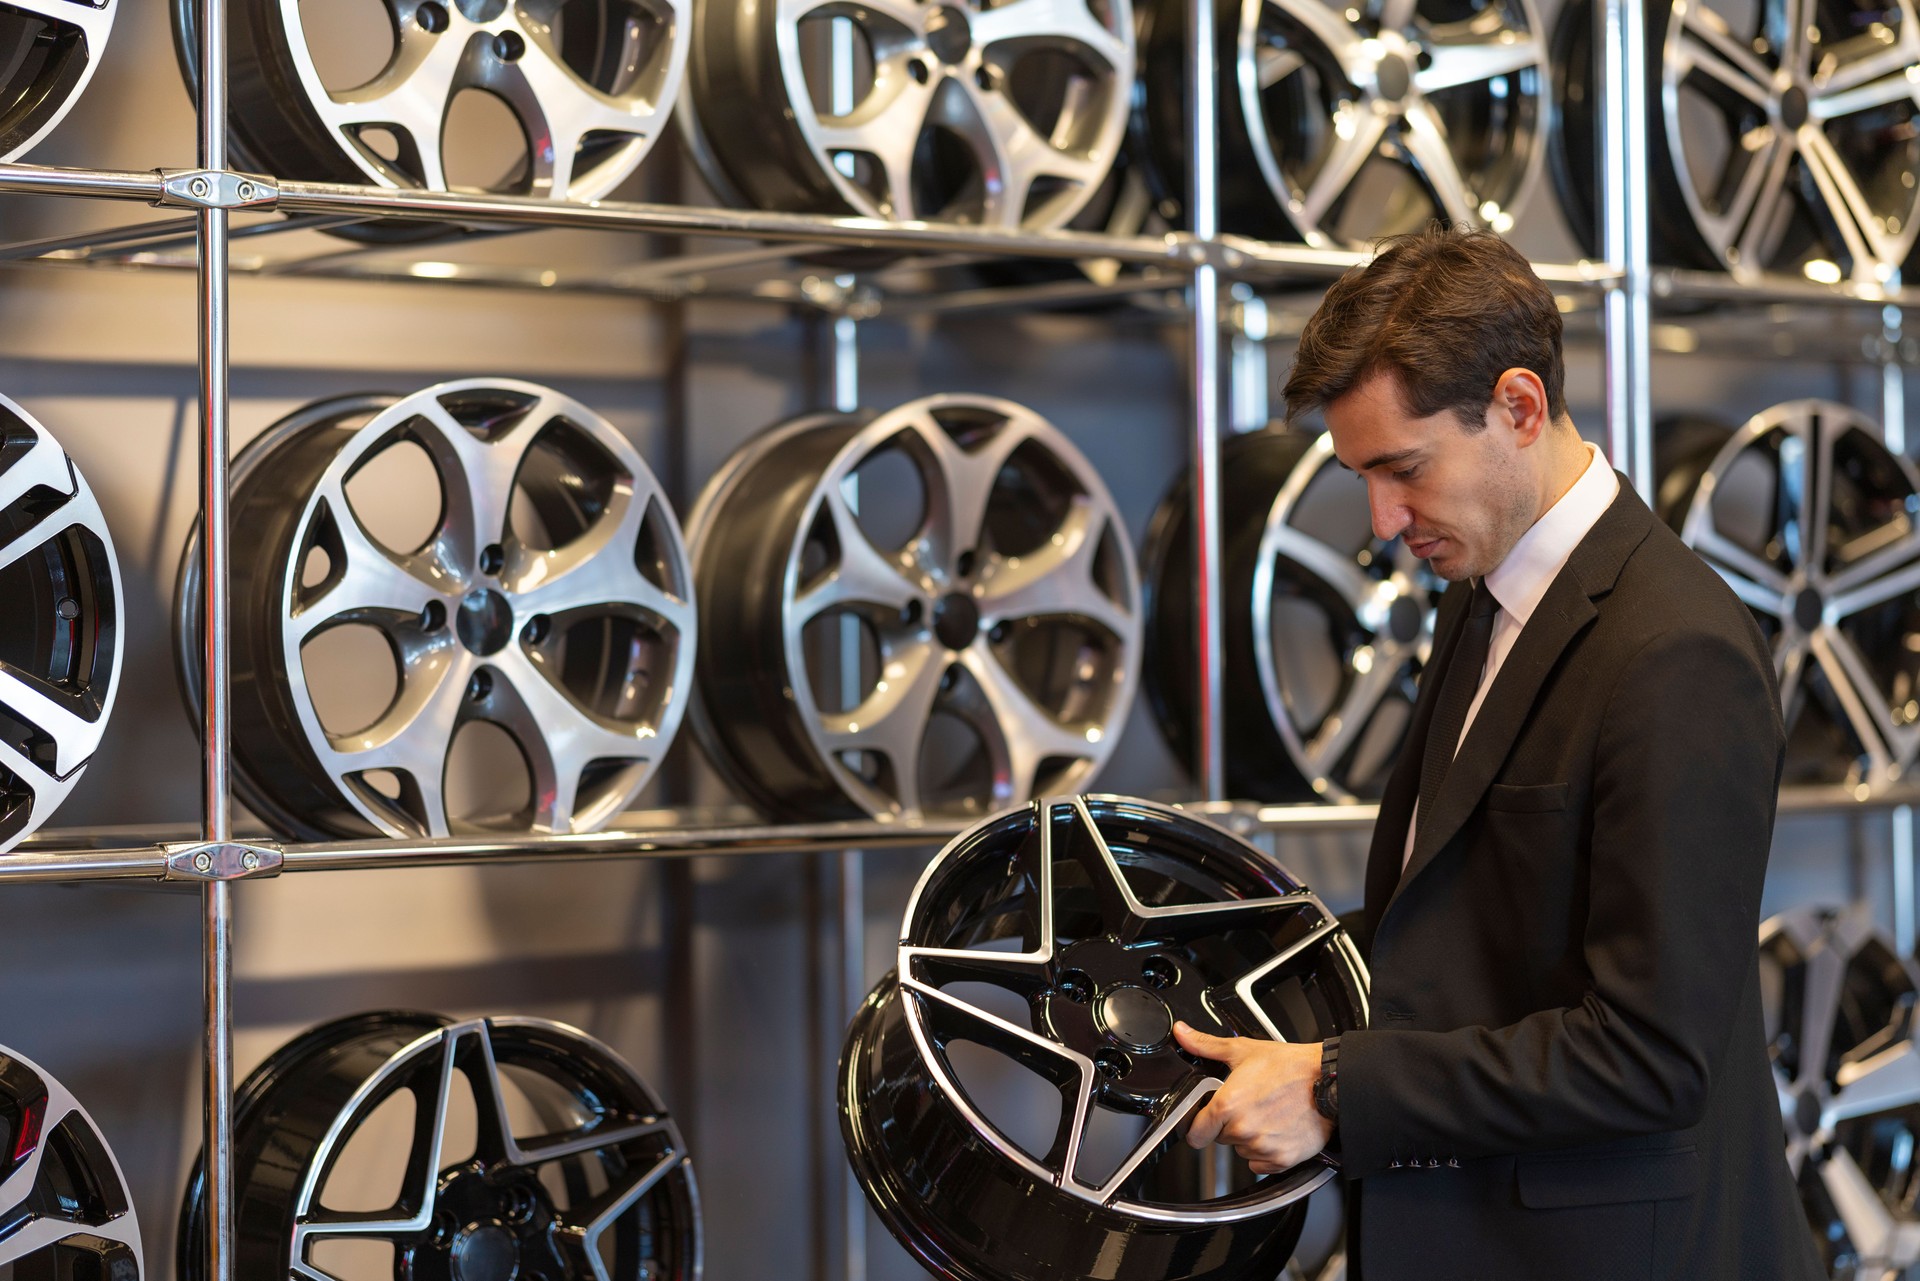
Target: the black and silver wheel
(1003, 114)
(1783, 134)
(1811, 520)
(60, 611)
(468, 608)
(64, 1210)
(1840, 1005)
(1341, 124)
(932, 611)
(406, 1145)
(49, 50)
(1019, 1066)
(1325, 629)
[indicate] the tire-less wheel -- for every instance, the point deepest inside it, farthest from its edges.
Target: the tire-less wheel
(60, 611)
(932, 611)
(64, 1210)
(1019, 1068)
(1782, 134)
(1325, 629)
(1810, 519)
(1840, 1005)
(49, 50)
(1342, 124)
(1006, 115)
(407, 1145)
(484, 558)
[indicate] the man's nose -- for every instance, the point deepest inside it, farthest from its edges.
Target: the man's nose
(1389, 517)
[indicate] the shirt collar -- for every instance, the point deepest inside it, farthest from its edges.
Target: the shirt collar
(1521, 580)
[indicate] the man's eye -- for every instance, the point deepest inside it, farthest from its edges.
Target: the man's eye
(1406, 473)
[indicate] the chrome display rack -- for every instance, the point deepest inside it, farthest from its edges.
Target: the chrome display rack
(1216, 272)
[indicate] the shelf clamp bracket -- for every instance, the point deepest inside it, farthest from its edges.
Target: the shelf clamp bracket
(215, 861)
(216, 189)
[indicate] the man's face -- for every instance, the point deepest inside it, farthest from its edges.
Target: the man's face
(1460, 500)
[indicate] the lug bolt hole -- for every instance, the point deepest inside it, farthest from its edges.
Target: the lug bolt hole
(964, 566)
(1076, 987)
(520, 1205)
(431, 17)
(433, 617)
(1159, 971)
(508, 46)
(536, 629)
(917, 68)
(912, 612)
(493, 559)
(444, 1229)
(986, 79)
(999, 633)
(480, 687)
(949, 679)
(1423, 60)
(1112, 1064)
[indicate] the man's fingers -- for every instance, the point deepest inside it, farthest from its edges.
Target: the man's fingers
(1221, 1049)
(1206, 1124)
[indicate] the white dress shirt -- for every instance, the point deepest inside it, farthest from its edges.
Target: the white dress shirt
(1521, 580)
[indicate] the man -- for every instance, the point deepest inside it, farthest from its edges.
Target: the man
(1566, 1076)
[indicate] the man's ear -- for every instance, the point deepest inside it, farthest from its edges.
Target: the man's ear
(1520, 406)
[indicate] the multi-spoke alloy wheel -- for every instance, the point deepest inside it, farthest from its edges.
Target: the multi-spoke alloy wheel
(1782, 133)
(576, 91)
(1811, 521)
(932, 611)
(60, 610)
(48, 52)
(1012, 1096)
(64, 1210)
(406, 1145)
(1325, 628)
(468, 608)
(1841, 1026)
(1341, 124)
(1006, 114)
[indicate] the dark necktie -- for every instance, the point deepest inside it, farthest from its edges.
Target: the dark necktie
(1458, 685)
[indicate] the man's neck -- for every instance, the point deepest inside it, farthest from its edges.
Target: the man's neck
(1568, 462)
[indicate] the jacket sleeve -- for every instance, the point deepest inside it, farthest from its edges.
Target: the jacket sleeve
(1686, 773)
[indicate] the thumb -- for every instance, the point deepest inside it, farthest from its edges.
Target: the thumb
(1220, 1049)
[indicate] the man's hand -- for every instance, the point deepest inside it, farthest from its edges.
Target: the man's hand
(1265, 1110)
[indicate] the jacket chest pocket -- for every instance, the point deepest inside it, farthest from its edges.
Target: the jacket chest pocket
(1527, 798)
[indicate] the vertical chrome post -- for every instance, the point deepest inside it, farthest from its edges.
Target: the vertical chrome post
(1247, 366)
(1623, 236)
(1893, 419)
(1203, 190)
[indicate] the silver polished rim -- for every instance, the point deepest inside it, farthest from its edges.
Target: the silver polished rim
(1394, 610)
(62, 61)
(1828, 1116)
(508, 49)
(1081, 575)
(1338, 99)
(1807, 135)
(67, 718)
(1807, 575)
(39, 1228)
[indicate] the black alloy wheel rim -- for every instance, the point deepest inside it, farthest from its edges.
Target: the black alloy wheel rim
(1340, 125)
(49, 50)
(1325, 629)
(1811, 520)
(1051, 947)
(577, 1172)
(60, 611)
(928, 612)
(64, 1210)
(1782, 135)
(1840, 1018)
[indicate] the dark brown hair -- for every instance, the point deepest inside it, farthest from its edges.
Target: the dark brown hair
(1447, 311)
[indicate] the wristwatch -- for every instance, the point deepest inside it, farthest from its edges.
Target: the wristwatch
(1326, 1086)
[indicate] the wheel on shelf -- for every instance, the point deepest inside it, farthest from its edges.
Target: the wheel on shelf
(1781, 138)
(1841, 1033)
(1005, 115)
(1325, 629)
(48, 52)
(1343, 124)
(65, 1214)
(60, 612)
(1811, 520)
(560, 99)
(465, 609)
(932, 611)
(1010, 1094)
(404, 1144)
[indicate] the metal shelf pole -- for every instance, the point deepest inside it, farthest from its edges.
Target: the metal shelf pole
(1623, 145)
(1893, 420)
(1203, 204)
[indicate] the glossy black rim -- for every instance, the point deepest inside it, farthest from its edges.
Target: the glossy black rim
(1011, 1096)
(64, 1210)
(1811, 520)
(1840, 1008)
(1325, 628)
(48, 52)
(575, 1173)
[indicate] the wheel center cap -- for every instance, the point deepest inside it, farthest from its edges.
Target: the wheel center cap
(1136, 1018)
(485, 623)
(1793, 107)
(1808, 608)
(956, 620)
(1393, 77)
(949, 34)
(481, 11)
(486, 1252)
(1403, 620)
(1806, 1113)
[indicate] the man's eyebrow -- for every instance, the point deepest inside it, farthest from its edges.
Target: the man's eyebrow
(1386, 460)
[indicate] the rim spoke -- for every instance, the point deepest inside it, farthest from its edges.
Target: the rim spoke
(1890, 61)
(373, 582)
(893, 719)
(1724, 229)
(1021, 972)
(1888, 1080)
(1869, 1223)
(887, 126)
(94, 22)
(1709, 47)
(1335, 568)
(1852, 214)
(1816, 486)
(1826, 976)
(1351, 151)
(963, 482)
(75, 739)
(1181, 924)
(1330, 28)
(1877, 591)
(1835, 104)
(1903, 549)
(557, 104)
(1012, 154)
(44, 465)
(1245, 990)
(1759, 226)
(1342, 728)
(1178, 1109)
(1276, 65)
(1866, 706)
(413, 94)
(1028, 734)
(619, 1199)
(904, 14)
(559, 738)
(1723, 551)
(1055, 22)
(1426, 140)
(418, 1189)
(1464, 63)
(412, 738)
(1790, 665)
(477, 476)
(596, 569)
(864, 576)
(1056, 579)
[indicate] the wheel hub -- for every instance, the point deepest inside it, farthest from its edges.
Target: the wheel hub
(1806, 1112)
(485, 623)
(1136, 1019)
(1808, 609)
(949, 34)
(956, 620)
(486, 1252)
(1793, 107)
(1117, 1006)
(1393, 77)
(1405, 618)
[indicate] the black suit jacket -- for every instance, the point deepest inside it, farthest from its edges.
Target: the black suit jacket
(1566, 1075)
